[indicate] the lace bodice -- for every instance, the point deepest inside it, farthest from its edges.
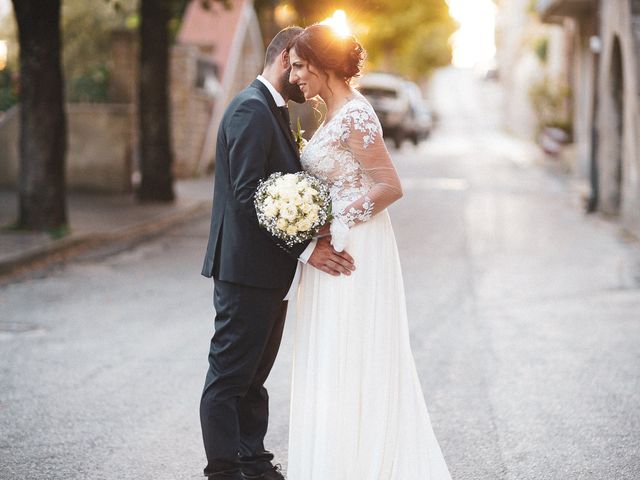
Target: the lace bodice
(348, 152)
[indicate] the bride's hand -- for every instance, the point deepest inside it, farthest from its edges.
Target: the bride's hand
(324, 230)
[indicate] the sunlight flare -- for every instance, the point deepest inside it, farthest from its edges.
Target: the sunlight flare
(4, 50)
(474, 42)
(338, 21)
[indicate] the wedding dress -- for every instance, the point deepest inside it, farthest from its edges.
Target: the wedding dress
(357, 408)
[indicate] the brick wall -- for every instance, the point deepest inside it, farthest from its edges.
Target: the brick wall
(191, 108)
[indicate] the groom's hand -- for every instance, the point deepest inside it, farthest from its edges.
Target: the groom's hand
(325, 258)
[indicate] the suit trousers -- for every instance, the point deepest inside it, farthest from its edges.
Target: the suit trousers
(234, 408)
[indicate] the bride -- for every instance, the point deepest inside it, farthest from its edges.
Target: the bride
(357, 408)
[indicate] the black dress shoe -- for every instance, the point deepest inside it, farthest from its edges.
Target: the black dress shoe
(273, 473)
(228, 475)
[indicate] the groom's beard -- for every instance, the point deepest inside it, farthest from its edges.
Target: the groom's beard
(292, 90)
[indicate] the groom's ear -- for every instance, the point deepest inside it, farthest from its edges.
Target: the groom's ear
(284, 60)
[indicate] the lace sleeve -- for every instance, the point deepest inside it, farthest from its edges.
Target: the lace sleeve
(362, 135)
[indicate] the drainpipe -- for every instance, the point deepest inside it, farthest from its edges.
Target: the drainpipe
(595, 44)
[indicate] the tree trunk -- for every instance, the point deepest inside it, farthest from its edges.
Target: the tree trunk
(156, 157)
(43, 129)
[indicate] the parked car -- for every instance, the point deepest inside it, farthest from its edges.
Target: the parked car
(388, 97)
(419, 123)
(399, 105)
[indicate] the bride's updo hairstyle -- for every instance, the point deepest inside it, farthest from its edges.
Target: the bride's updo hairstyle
(327, 51)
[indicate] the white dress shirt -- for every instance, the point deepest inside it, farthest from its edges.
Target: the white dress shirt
(304, 256)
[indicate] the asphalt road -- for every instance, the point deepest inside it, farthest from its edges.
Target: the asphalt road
(524, 314)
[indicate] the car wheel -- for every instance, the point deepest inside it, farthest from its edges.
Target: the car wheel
(397, 140)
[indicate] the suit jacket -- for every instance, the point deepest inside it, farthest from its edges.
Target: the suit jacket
(253, 142)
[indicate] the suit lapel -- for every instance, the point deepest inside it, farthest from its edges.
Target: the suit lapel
(286, 129)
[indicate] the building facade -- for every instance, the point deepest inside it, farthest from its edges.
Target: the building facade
(606, 85)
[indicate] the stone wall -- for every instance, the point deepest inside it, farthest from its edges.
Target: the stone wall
(619, 114)
(99, 149)
(191, 107)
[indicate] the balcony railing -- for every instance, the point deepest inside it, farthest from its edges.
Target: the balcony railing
(554, 10)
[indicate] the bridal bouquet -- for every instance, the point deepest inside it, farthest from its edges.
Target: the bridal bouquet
(293, 206)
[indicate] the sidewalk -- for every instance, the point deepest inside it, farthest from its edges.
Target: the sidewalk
(95, 220)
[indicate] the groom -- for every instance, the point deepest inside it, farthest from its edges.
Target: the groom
(252, 271)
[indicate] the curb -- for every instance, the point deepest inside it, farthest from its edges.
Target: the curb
(71, 247)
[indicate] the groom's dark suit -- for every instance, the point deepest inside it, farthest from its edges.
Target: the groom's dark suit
(252, 272)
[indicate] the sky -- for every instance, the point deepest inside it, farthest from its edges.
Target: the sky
(5, 5)
(474, 42)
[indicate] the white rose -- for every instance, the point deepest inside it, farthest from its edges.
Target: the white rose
(305, 208)
(303, 184)
(303, 225)
(289, 212)
(282, 224)
(270, 211)
(292, 230)
(289, 179)
(287, 193)
(313, 217)
(272, 190)
(268, 202)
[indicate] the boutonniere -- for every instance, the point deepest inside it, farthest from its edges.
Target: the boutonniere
(301, 142)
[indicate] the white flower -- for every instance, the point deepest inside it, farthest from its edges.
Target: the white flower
(271, 210)
(292, 230)
(305, 208)
(313, 217)
(289, 212)
(304, 225)
(282, 224)
(287, 193)
(290, 179)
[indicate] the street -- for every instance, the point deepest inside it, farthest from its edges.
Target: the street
(524, 315)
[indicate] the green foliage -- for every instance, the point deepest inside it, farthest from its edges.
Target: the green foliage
(551, 102)
(403, 36)
(91, 86)
(86, 30)
(59, 232)
(8, 89)
(541, 48)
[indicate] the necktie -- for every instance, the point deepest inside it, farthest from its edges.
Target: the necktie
(284, 111)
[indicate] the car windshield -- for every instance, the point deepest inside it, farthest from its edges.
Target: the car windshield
(378, 92)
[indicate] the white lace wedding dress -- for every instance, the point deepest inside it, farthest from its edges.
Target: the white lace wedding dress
(357, 408)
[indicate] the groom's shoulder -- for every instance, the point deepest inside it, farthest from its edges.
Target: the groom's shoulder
(249, 100)
(250, 95)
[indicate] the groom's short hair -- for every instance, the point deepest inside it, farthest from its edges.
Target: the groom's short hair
(280, 42)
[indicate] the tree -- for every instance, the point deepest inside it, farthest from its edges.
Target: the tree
(156, 156)
(43, 127)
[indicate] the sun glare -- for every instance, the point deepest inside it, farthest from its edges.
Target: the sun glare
(3, 54)
(474, 42)
(338, 21)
